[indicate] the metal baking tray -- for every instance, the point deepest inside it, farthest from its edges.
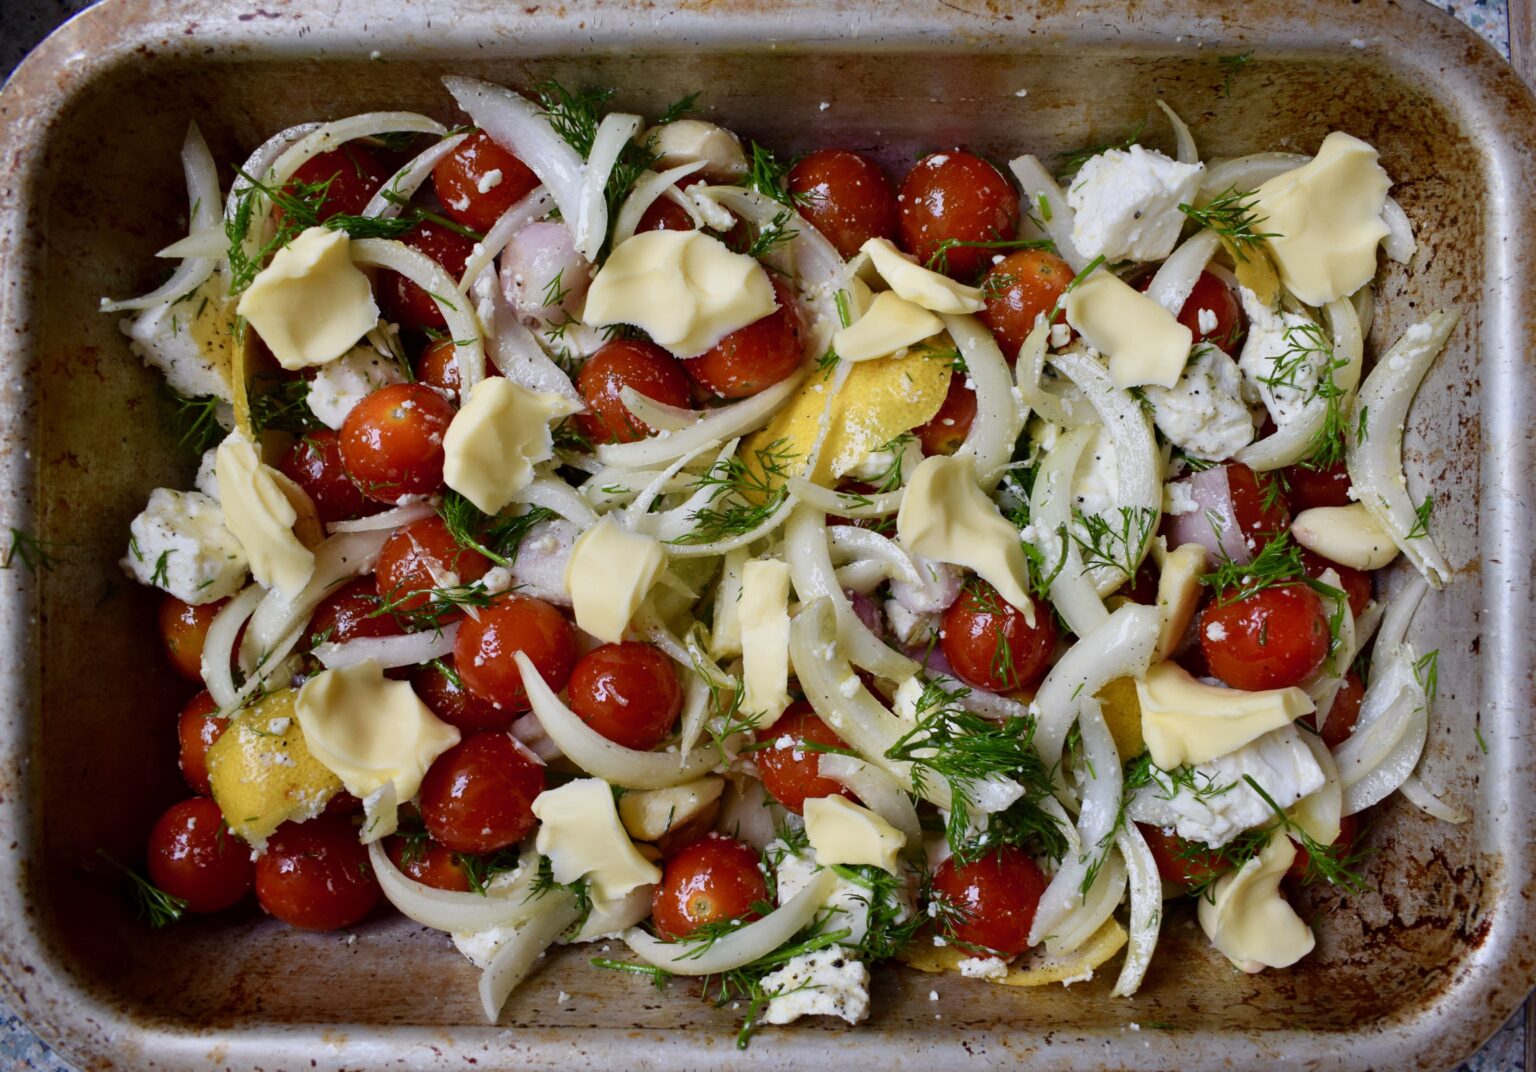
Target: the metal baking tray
(1414, 974)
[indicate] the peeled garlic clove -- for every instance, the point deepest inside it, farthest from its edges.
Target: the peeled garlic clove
(688, 140)
(1347, 535)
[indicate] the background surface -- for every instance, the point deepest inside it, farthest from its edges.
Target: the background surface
(23, 23)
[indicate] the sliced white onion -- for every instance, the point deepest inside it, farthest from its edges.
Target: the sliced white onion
(1420, 797)
(614, 132)
(658, 416)
(529, 732)
(1064, 408)
(501, 905)
(209, 242)
(1364, 301)
(716, 426)
(1146, 908)
(219, 645)
(260, 162)
(752, 942)
(517, 956)
(719, 547)
(410, 649)
(1099, 903)
(1320, 811)
(426, 273)
(1000, 412)
(1295, 439)
(1399, 243)
(680, 520)
(1323, 686)
(1046, 203)
(1183, 139)
(1389, 736)
(556, 495)
(647, 189)
(1247, 172)
(877, 790)
(828, 501)
(203, 202)
(514, 349)
(706, 680)
(393, 518)
(1375, 458)
(648, 624)
(1072, 592)
(404, 183)
(597, 755)
(847, 543)
(1176, 277)
(534, 205)
(1399, 613)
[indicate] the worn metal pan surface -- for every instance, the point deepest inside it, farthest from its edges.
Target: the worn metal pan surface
(1413, 974)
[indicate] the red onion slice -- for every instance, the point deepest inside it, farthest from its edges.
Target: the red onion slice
(1213, 522)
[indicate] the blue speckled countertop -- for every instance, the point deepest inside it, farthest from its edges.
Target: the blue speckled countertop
(23, 23)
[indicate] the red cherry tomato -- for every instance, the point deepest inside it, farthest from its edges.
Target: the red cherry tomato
(665, 215)
(1328, 486)
(989, 643)
(353, 174)
(316, 876)
(1349, 830)
(314, 464)
(486, 643)
(453, 703)
(438, 367)
(714, 879)
(642, 366)
(956, 196)
(1020, 289)
(478, 796)
(754, 357)
(192, 856)
(1259, 504)
(392, 441)
(845, 196)
(429, 863)
(1356, 583)
(479, 181)
(1182, 862)
(994, 898)
(948, 428)
(1142, 588)
(406, 303)
(1212, 294)
(349, 612)
(1344, 713)
(627, 692)
(422, 556)
(1273, 639)
(790, 773)
(196, 730)
(184, 628)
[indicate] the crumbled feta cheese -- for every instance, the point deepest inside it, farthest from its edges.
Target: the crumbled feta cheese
(1177, 500)
(1061, 335)
(984, 968)
(933, 995)
(828, 982)
(341, 384)
(489, 181)
(207, 480)
(179, 544)
(1216, 631)
(497, 579)
(189, 341)
(1204, 413)
(1096, 484)
(1282, 359)
(848, 901)
(1126, 204)
(564, 997)
(1216, 803)
(1206, 321)
(909, 627)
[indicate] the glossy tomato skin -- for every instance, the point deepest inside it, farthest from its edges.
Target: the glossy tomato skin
(1260, 505)
(989, 643)
(791, 773)
(1273, 639)
(454, 704)
(354, 173)
(480, 162)
(422, 556)
(406, 303)
(316, 876)
(994, 898)
(192, 856)
(1326, 486)
(483, 652)
(664, 215)
(845, 196)
(429, 863)
(642, 366)
(478, 796)
(196, 729)
(350, 612)
(392, 441)
(1355, 583)
(711, 880)
(1018, 290)
(754, 357)
(437, 366)
(1349, 831)
(314, 464)
(184, 629)
(946, 431)
(1182, 862)
(1344, 713)
(1211, 293)
(959, 196)
(627, 692)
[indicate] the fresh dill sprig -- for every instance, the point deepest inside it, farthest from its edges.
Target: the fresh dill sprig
(33, 553)
(889, 479)
(1421, 516)
(890, 924)
(420, 609)
(497, 538)
(1070, 162)
(480, 869)
(1232, 65)
(1426, 671)
(1230, 214)
(678, 109)
(1106, 546)
(154, 905)
(770, 177)
(573, 115)
(939, 261)
(199, 421)
(281, 405)
(744, 494)
(773, 235)
(1278, 565)
(1309, 355)
(659, 977)
(1333, 864)
(844, 314)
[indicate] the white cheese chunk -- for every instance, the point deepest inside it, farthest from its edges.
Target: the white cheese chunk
(1184, 721)
(179, 544)
(1125, 204)
(1096, 480)
(1178, 594)
(259, 510)
(608, 575)
(207, 479)
(1204, 413)
(1248, 919)
(984, 968)
(1144, 342)
(891, 323)
(311, 303)
(650, 814)
(1282, 358)
(341, 384)
(1326, 220)
(946, 517)
(920, 285)
(370, 731)
(842, 832)
(684, 288)
(764, 614)
(828, 982)
(688, 141)
(581, 834)
(191, 341)
(493, 443)
(1348, 535)
(1215, 803)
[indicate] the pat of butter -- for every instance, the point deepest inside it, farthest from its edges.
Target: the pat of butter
(891, 323)
(258, 512)
(919, 285)
(311, 303)
(368, 730)
(608, 575)
(491, 447)
(946, 517)
(842, 832)
(1248, 920)
(650, 814)
(684, 288)
(1348, 535)
(765, 639)
(579, 831)
(1145, 344)
(1178, 594)
(1326, 220)
(1185, 721)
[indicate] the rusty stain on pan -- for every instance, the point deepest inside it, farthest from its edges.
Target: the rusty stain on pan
(1415, 973)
